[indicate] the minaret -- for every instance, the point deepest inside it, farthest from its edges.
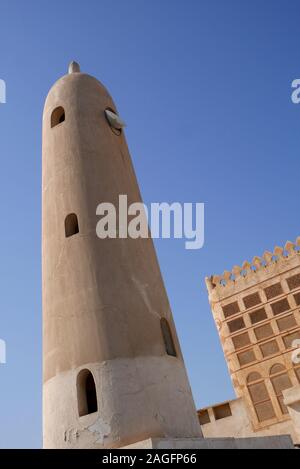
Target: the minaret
(112, 366)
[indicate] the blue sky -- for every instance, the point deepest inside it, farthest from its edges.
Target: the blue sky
(204, 87)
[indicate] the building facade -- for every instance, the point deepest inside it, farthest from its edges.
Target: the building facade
(256, 309)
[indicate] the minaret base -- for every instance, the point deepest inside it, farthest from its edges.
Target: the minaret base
(135, 401)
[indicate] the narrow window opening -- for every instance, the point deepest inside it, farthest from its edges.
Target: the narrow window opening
(86, 393)
(58, 116)
(222, 411)
(71, 225)
(168, 339)
(203, 416)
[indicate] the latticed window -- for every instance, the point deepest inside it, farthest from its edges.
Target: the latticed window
(297, 298)
(280, 306)
(252, 300)
(263, 332)
(293, 282)
(258, 316)
(280, 381)
(241, 340)
(236, 325)
(246, 357)
(288, 322)
(273, 291)
(231, 309)
(260, 397)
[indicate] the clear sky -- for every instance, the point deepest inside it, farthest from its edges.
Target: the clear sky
(204, 87)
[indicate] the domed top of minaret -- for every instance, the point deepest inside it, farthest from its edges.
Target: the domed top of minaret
(75, 83)
(74, 67)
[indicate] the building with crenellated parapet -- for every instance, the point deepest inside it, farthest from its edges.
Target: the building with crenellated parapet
(256, 309)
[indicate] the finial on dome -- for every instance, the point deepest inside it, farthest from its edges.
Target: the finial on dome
(74, 67)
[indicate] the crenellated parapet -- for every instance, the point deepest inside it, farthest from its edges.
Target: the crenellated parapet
(259, 270)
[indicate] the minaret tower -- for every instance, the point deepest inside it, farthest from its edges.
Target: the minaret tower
(112, 366)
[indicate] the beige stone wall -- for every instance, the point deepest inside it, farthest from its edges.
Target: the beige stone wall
(238, 424)
(277, 442)
(257, 313)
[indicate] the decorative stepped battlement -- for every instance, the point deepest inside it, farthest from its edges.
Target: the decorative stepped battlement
(259, 270)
